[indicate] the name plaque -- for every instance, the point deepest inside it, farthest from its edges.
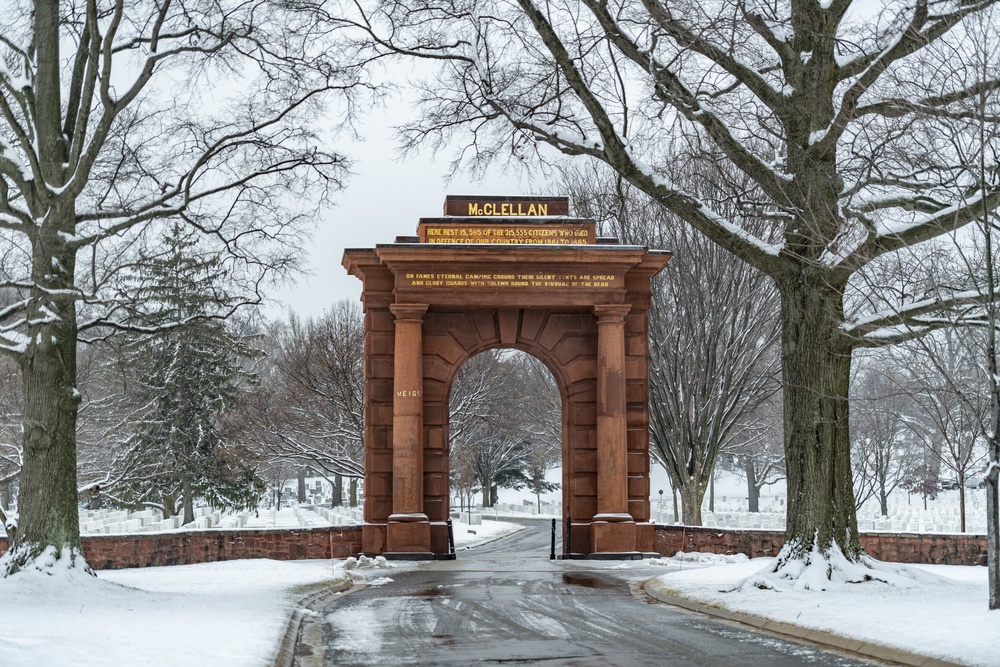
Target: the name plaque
(513, 280)
(441, 231)
(505, 206)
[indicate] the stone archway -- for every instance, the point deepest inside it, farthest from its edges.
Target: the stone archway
(501, 272)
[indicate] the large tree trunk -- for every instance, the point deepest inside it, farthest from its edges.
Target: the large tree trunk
(961, 501)
(711, 492)
(692, 495)
(47, 500)
(336, 491)
(354, 492)
(188, 501)
(753, 491)
(300, 492)
(816, 372)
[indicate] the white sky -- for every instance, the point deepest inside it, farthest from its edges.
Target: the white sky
(383, 199)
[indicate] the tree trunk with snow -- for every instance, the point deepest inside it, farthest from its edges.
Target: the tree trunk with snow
(692, 496)
(753, 491)
(187, 502)
(816, 367)
(5, 494)
(337, 490)
(711, 492)
(48, 498)
(961, 502)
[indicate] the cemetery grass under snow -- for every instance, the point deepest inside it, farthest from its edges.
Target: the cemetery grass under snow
(234, 613)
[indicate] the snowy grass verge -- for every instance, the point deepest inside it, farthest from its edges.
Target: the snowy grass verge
(228, 614)
(934, 610)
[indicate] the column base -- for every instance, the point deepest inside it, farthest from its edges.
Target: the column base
(613, 537)
(412, 534)
(373, 538)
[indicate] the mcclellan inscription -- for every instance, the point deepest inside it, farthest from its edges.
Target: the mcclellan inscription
(505, 206)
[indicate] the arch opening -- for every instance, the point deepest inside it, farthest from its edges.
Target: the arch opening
(505, 419)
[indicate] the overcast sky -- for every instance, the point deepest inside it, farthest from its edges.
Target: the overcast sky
(383, 199)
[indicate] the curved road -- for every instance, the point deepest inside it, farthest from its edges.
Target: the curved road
(497, 606)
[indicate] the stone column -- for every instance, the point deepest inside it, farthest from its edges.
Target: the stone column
(408, 532)
(613, 529)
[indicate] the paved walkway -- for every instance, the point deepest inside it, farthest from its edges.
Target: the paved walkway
(491, 607)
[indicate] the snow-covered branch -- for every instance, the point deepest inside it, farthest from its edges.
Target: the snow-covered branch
(913, 320)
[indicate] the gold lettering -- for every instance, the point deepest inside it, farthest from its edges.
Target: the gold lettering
(405, 393)
(543, 209)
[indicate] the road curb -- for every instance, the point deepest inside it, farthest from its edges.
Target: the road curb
(308, 606)
(819, 637)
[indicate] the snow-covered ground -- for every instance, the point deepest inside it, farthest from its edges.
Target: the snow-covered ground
(230, 614)
(941, 612)
(234, 613)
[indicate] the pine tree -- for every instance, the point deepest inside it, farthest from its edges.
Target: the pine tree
(185, 377)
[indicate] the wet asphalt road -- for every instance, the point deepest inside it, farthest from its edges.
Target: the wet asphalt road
(505, 603)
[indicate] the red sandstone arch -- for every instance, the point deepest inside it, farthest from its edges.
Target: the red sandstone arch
(426, 312)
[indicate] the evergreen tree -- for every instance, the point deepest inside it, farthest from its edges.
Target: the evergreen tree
(185, 377)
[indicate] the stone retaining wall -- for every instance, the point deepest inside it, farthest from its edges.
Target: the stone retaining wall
(941, 549)
(112, 552)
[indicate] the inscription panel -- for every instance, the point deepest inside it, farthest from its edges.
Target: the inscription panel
(512, 280)
(506, 234)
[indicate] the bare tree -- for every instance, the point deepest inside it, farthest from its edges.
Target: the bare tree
(830, 122)
(504, 407)
(106, 127)
(308, 408)
(884, 452)
(756, 450)
(947, 384)
(976, 141)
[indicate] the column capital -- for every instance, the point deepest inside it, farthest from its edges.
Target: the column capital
(611, 312)
(408, 311)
